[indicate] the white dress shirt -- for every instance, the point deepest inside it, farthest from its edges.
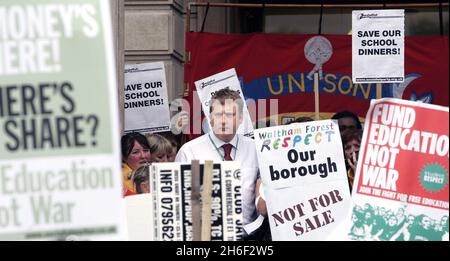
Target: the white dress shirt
(208, 147)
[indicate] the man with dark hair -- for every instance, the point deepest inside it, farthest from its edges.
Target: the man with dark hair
(347, 120)
(222, 143)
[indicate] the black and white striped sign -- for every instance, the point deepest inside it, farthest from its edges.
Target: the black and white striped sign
(172, 205)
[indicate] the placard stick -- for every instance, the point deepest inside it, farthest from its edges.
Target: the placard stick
(195, 199)
(379, 91)
(206, 200)
(316, 96)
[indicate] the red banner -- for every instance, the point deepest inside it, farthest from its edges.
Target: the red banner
(275, 66)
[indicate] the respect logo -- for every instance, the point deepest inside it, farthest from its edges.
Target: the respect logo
(433, 177)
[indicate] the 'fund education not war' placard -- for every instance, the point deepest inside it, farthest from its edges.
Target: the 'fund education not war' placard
(305, 182)
(59, 151)
(401, 185)
(145, 102)
(378, 46)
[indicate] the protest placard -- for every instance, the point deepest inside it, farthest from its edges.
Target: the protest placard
(172, 205)
(305, 182)
(139, 213)
(59, 149)
(378, 46)
(401, 183)
(146, 104)
(228, 79)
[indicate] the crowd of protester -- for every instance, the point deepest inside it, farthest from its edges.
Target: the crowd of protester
(223, 143)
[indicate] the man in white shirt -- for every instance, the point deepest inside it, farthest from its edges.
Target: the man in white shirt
(222, 143)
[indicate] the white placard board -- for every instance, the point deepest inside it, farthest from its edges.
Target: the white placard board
(226, 79)
(145, 99)
(378, 46)
(305, 181)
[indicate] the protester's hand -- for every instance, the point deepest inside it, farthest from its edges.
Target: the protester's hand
(261, 207)
(183, 120)
(260, 201)
(179, 122)
(352, 161)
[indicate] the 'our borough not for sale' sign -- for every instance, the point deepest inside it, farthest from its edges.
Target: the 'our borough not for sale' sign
(305, 182)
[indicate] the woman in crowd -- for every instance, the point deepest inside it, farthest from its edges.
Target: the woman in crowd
(160, 148)
(135, 152)
(173, 139)
(141, 178)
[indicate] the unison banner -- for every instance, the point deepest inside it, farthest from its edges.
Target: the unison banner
(401, 184)
(277, 66)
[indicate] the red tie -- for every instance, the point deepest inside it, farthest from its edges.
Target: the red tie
(227, 149)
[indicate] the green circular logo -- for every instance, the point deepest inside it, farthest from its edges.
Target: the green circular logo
(433, 177)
